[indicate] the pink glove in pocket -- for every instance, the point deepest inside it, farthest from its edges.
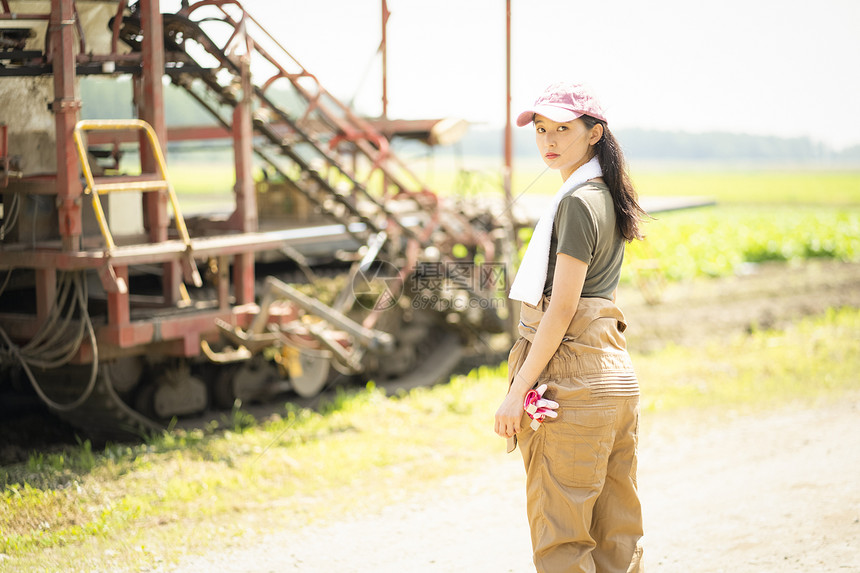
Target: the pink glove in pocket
(539, 408)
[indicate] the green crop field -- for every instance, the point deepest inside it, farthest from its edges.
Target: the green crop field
(759, 216)
(719, 241)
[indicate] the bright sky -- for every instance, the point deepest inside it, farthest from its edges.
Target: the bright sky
(772, 67)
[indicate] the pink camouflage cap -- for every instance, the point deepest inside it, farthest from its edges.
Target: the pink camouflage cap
(562, 102)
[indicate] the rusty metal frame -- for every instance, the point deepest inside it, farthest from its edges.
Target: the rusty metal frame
(244, 217)
(65, 107)
(181, 333)
(117, 26)
(9, 165)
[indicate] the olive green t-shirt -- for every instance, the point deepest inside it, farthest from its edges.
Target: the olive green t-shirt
(584, 228)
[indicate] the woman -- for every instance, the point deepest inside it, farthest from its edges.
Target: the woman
(580, 450)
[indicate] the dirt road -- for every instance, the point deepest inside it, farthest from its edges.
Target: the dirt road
(761, 494)
(767, 494)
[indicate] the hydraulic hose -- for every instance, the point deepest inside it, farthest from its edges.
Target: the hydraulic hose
(67, 350)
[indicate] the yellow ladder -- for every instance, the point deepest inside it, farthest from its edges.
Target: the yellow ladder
(144, 184)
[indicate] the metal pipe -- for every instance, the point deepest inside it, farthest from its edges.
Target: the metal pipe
(508, 128)
(244, 217)
(24, 17)
(151, 110)
(65, 107)
(383, 46)
(369, 338)
(117, 26)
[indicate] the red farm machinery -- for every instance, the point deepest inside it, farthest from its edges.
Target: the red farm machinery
(121, 313)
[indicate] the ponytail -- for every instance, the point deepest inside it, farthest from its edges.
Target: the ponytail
(628, 213)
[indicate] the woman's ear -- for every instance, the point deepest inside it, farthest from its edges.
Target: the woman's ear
(596, 134)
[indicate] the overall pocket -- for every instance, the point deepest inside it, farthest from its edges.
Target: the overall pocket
(578, 444)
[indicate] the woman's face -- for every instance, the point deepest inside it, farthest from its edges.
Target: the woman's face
(565, 146)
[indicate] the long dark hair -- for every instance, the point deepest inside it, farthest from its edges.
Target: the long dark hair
(628, 213)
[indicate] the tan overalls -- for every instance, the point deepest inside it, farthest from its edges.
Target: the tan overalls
(582, 499)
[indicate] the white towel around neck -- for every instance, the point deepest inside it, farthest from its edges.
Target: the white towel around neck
(531, 276)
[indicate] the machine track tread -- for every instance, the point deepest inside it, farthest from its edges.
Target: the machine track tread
(104, 415)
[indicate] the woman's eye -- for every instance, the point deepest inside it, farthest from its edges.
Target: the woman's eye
(540, 130)
(562, 128)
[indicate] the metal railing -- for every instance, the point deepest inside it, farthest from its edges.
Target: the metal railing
(160, 182)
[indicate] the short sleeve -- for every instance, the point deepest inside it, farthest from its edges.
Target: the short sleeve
(576, 229)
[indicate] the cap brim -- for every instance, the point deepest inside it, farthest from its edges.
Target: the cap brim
(554, 113)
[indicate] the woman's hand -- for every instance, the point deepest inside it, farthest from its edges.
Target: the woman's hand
(510, 414)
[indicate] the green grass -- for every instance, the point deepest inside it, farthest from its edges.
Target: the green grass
(125, 505)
